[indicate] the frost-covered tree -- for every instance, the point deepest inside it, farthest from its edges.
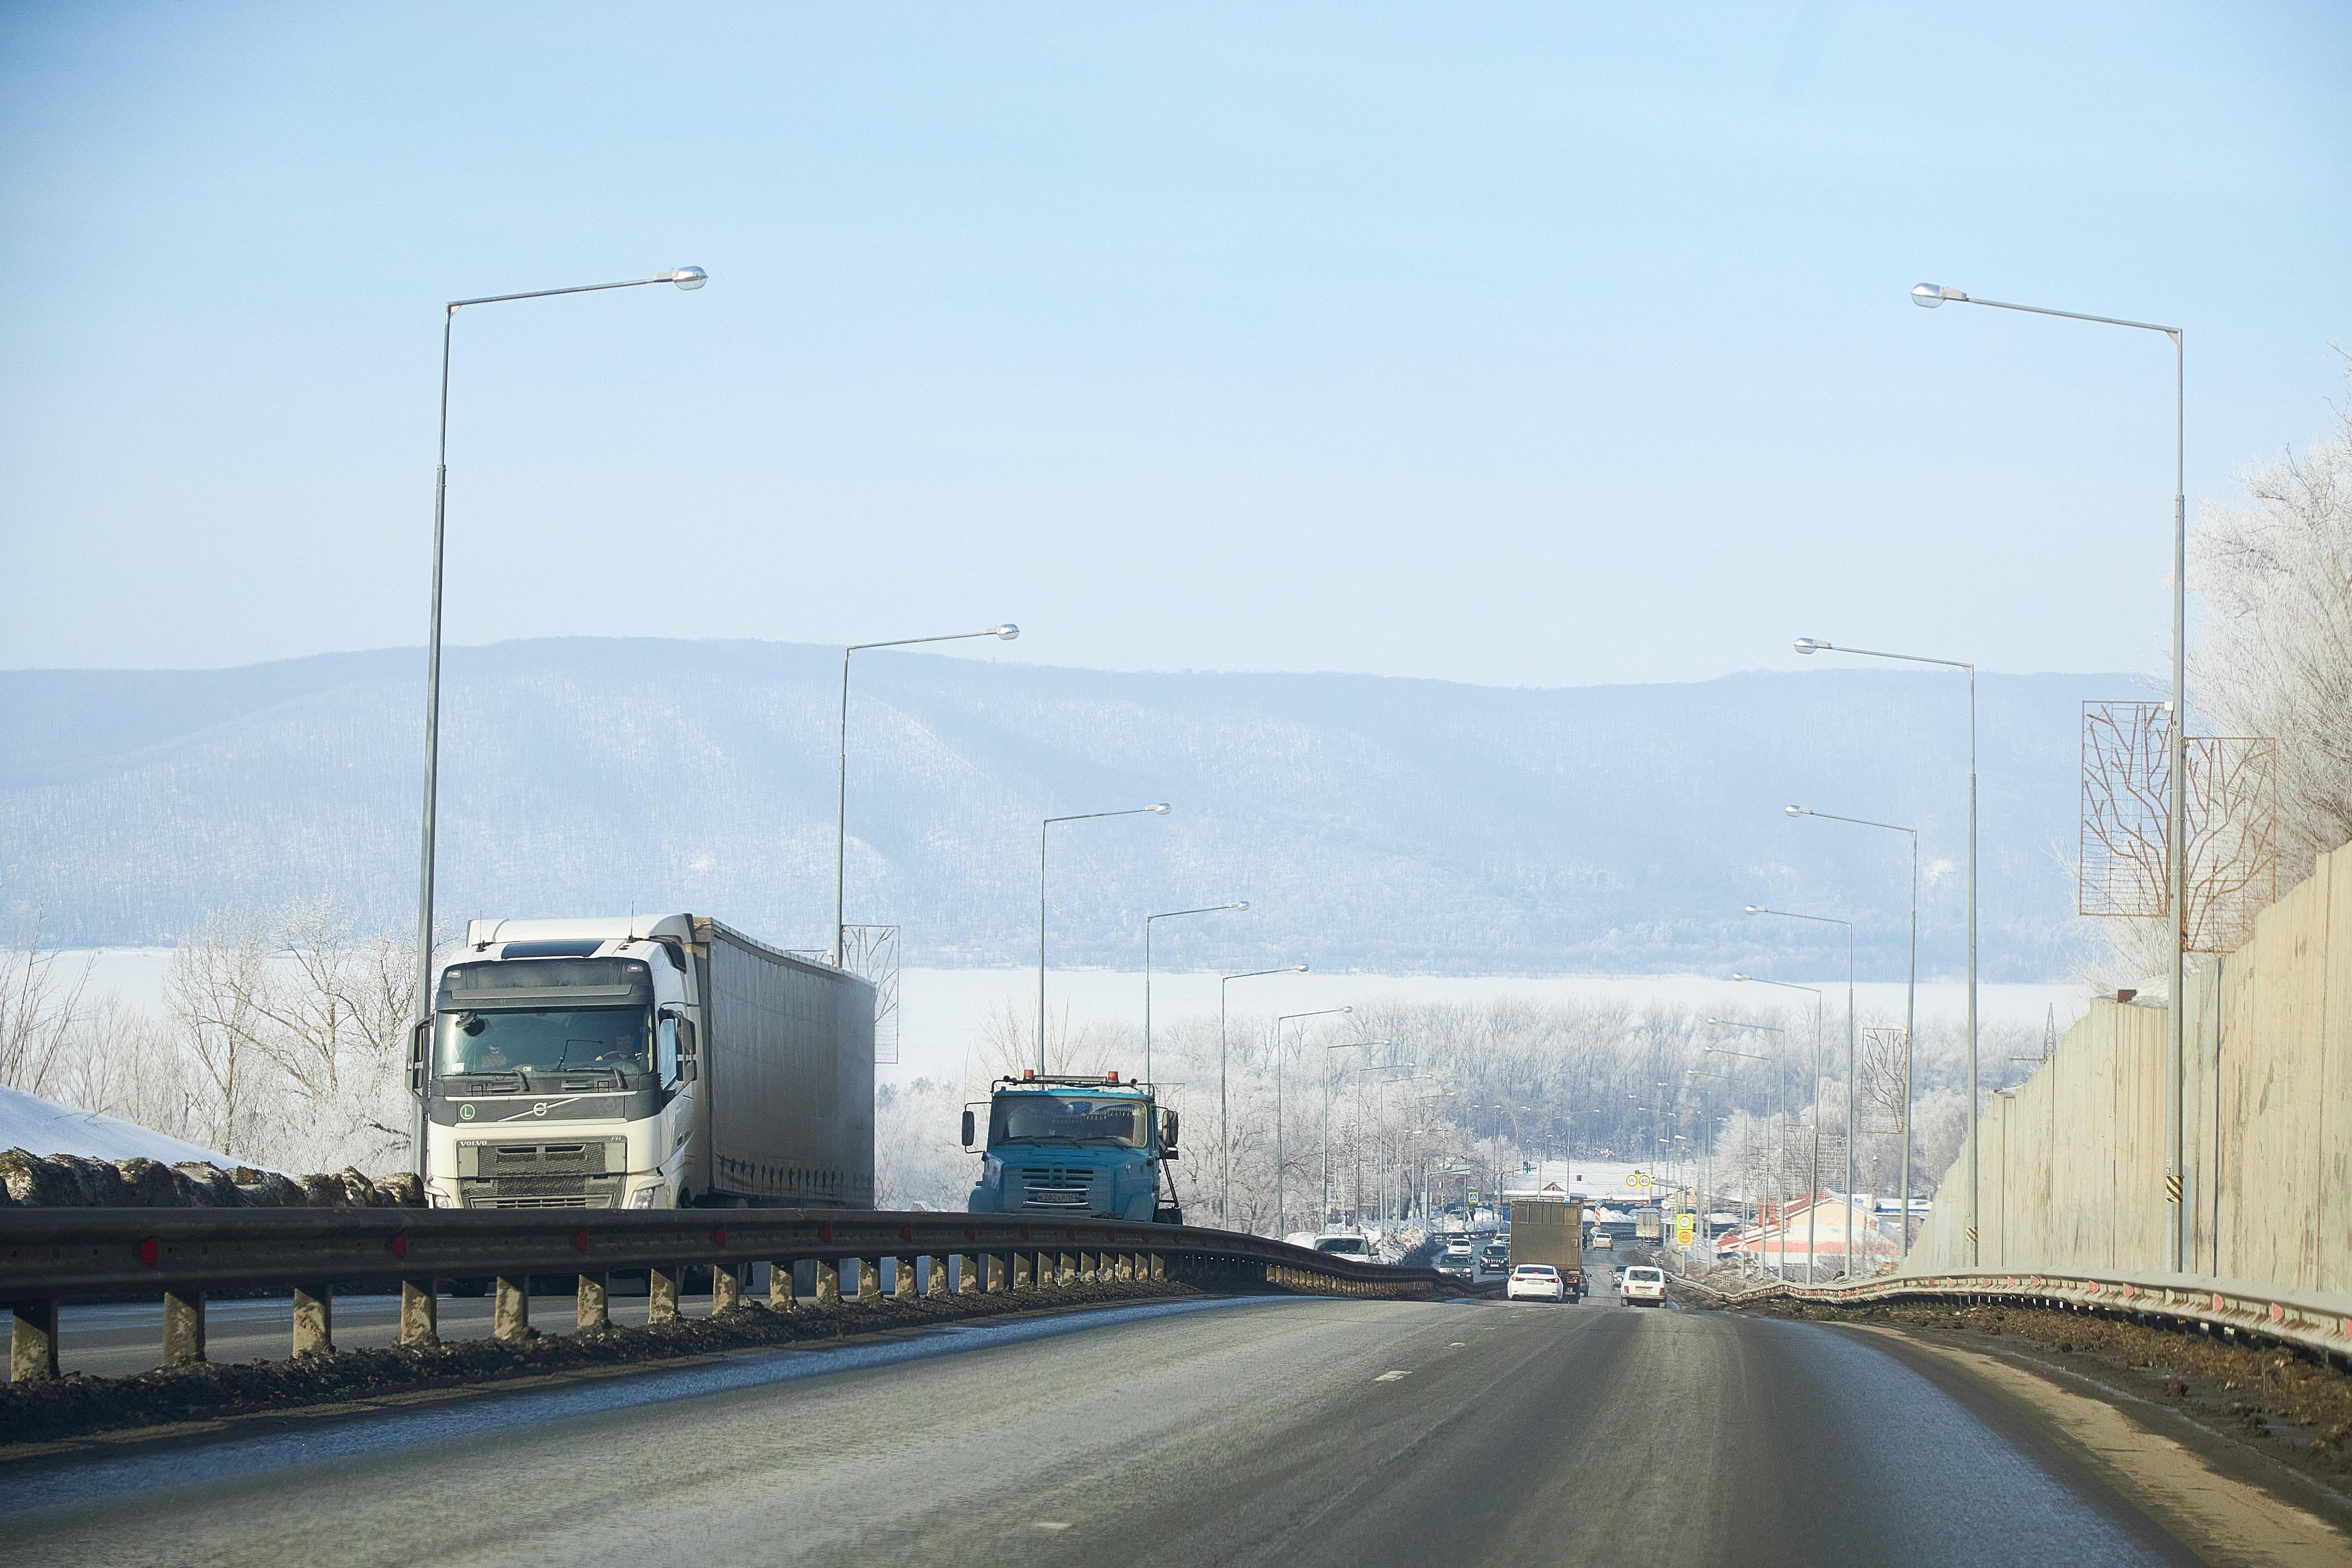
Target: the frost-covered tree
(2276, 655)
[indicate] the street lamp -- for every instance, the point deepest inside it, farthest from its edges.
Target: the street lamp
(1815, 645)
(1852, 1104)
(1156, 809)
(1225, 1127)
(1780, 1163)
(1910, 995)
(1167, 915)
(686, 278)
(1342, 1045)
(1281, 1197)
(2176, 848)
(1005, 633)
(1813, 1178)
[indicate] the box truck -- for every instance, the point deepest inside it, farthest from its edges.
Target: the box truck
(1551, 1230)
(661, 1061)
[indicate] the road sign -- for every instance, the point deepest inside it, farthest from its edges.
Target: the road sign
(1686, 1229)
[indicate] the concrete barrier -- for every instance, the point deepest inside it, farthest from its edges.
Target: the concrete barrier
(2073, 1163)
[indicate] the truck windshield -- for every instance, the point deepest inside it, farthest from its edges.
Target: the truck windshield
(1068, 1119)
(542, 1043)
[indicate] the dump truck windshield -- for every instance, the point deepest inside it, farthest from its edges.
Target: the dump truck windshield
(1033, 1118)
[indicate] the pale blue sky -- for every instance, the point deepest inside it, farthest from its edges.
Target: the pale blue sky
(1535, 346)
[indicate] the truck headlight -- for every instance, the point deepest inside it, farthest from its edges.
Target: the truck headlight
(644, 1196)
(991, 1170)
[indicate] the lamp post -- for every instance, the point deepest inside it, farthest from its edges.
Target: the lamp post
(1281, 1195)
(1156, 809)
(1780, 1163)
(2175, 850)
(1910, 995)
(1341, 1045)
(1167, 915)
(1815, 645)
(1814, 1176)
(685, 277)
(1852, 1104)
(1224, 1126)
(1005, 633)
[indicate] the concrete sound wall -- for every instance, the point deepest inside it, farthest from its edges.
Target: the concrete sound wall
(2072, 1164)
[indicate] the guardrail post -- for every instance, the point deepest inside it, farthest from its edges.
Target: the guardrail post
(783, 1292)
(902, 1278)
(1024, 1271)
(420, 1315)
(510, 1309)
(592, 1311)
(33, 1342)
(183, 1327)
(725, 1288)
(995, 1273)
(661, 1293)
(939, 1280)
(1159, 1267)
(828, 1282)
(314, 1320)
(1065, 1269)
(869, 1280)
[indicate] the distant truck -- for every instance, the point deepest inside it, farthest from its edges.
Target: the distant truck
(663, 1061)
(1551, 1230)
(1085, 1147)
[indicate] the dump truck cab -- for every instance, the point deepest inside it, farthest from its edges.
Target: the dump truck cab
(1078, 1147)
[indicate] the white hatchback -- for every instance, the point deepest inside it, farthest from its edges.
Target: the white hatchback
(1536, 1281)
(1644, 1287)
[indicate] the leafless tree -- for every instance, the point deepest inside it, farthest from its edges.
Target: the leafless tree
(38, 1008)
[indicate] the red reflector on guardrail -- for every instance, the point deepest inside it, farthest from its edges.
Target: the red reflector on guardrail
(400, 1244)
(824, 1233)
(147, 1250)
(719, 1236)
(580, 1241)
(1025, 1233)
(971, 1234)
(906, 1233)
(1074, 1234)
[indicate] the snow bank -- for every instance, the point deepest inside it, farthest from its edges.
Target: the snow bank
(41, 1127)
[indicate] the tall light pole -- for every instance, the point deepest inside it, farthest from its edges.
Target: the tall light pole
(1852, 1102)
(841, 792)
(1812, 1196)
(1156, 809)
(1815, 645)
(2176, 849)
(1224, 1126)
(686, 278)
(1167, 915)
(1779, 1071)
(1324, 1216)
(1910, 995)
(1281, 1198)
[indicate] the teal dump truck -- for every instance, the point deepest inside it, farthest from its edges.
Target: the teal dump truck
(1093, 1148)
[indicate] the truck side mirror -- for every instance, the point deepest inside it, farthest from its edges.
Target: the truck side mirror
(687, 1072)
(968, 1129)
(1168, 1132)
(685, 1041)
(420, 1037)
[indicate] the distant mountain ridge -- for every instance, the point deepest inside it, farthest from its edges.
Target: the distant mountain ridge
(1375, 823)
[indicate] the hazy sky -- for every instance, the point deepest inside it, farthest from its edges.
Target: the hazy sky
(1532, 345)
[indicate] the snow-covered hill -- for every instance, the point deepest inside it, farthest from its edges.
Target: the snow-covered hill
(1396, 825)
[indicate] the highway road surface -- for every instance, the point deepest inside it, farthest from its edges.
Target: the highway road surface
(1261, 1430)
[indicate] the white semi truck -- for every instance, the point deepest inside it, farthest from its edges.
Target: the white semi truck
(664, 1061)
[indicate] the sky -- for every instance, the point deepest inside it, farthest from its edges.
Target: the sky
(1527, 346)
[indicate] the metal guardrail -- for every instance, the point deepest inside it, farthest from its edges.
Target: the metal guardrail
(54, 1255)
(2308, 1320)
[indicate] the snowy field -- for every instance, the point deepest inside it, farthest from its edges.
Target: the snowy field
(944, 1013)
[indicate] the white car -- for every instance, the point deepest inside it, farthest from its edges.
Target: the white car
(1536, 1283)
(1643, 1287)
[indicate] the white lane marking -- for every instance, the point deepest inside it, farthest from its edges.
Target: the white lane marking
(1049, 1524)
(1458, 1344)
(1392, 1376)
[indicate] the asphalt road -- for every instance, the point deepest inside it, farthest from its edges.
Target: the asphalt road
(1266, 1430)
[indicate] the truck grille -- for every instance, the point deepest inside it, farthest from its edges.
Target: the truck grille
(541, 1192)
(1055, 1187)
